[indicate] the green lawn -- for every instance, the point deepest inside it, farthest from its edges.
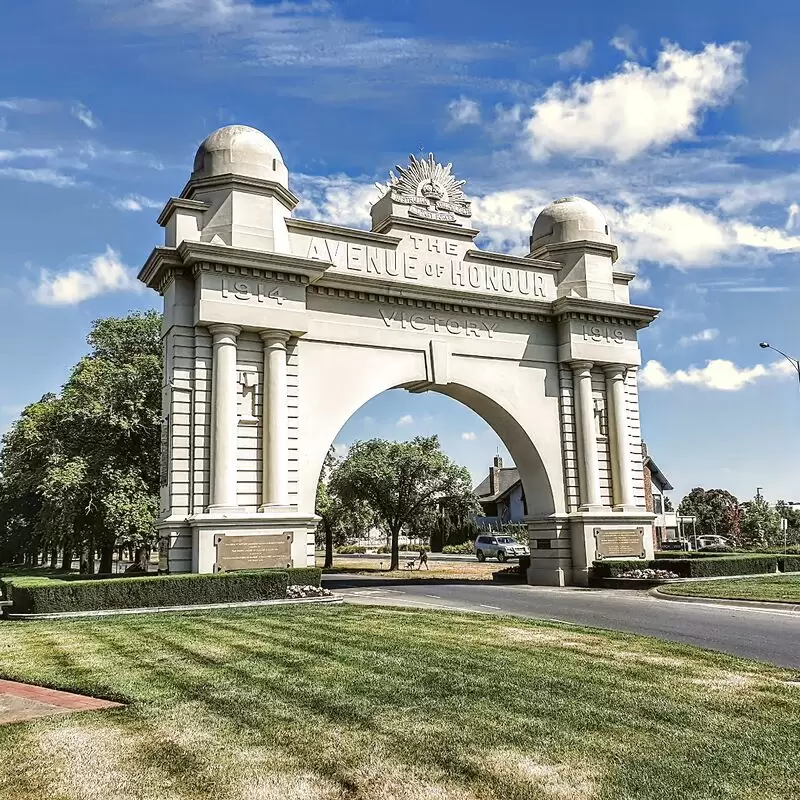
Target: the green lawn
(355, 702)
(772, 587)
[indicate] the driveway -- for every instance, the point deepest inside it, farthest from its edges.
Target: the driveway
(767, 635)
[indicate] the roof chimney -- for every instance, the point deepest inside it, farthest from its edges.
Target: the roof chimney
(494, 475)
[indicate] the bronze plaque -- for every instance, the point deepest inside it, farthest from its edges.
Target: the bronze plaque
(259, 551)
(620, 542)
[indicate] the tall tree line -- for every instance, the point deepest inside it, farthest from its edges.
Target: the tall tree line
(79, 470)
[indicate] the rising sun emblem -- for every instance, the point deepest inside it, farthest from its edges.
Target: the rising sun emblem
(429, 188)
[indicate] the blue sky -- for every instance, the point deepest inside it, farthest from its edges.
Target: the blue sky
(684, 126)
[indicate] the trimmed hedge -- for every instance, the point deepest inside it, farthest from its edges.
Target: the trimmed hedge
(350, 550)
(790, 563)
(738, 564)
(304, 576)
(42, 596)
(458, 549)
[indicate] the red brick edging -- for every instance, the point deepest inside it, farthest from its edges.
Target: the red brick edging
(74, 702)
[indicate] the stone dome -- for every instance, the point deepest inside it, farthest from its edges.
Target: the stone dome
(240, 150)
(568, 220)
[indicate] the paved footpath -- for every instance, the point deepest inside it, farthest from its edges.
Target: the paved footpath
(770, 635)
(20, 702)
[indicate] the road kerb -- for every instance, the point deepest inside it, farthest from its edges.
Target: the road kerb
(730, 603)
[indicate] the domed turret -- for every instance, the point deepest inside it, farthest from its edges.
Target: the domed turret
(240, 150)
(570, 219)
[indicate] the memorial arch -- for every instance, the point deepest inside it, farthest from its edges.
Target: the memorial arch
(277, 329)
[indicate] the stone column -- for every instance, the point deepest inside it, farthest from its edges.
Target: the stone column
(620, 443)
(587, 436)
(224, 421)
(275, 431)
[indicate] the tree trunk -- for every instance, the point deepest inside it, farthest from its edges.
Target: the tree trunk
(140, 559)
(106, 559)
(84, 563)
(54, 558)
(328, 545)
(395, 562)
(66, 557)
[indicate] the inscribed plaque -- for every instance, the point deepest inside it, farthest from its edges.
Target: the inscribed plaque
(620, 542)
(258, 551)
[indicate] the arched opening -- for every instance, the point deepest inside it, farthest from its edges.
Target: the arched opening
(475, 432)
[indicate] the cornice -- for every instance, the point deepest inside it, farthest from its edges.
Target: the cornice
(596, 248)
(195, 252)
(164, 263)
(174, 203)
(625, 277)
(425, 226)
(326, 229)
(579, 307)
(243, 183)
(353, 285)
(520, 262)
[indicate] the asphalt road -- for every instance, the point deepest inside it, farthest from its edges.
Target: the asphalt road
(767, 635)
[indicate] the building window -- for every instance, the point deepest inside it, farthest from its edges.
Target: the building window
(658, 507)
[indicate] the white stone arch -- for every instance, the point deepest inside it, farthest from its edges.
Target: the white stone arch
(359, 385)
(277, 329)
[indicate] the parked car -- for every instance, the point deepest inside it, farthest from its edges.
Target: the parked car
(676, 544)
(710, 542)
(500, 547)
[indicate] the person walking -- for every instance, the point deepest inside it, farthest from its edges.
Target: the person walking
(423, 558)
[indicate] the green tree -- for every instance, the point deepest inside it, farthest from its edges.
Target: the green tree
(792, 517)
(400, 482)
(81, 470)
(717, 512)
(338, 519)
(761, 525)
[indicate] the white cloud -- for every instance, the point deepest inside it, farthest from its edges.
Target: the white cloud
(135, 202)
(312, 37)
(578, 56)
(84, 115)
(340, 449)
(51, 177)
(464, 112)
(718, 374)
(793, 217)
(469, 436)
(687, 236)
(336, 198)
(625, 42)
(789, 143)
(637, 108)
(104, 273)
(28, 152)
(27, 105)
(641, 284)
(706, 335)
(406, 419)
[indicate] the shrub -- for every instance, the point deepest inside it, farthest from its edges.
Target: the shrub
(41, 596)
(738, 564)
(458, 549)
(304, 576)
(350, 549)
(790, 563)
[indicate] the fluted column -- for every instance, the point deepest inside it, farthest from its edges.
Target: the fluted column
(224, 422)
(587, 436)
(620, 444)
(275, 427)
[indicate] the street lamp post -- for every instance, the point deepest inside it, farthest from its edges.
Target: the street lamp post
(793, 361)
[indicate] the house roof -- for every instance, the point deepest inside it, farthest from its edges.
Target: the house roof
(659, 478)
(508, 479)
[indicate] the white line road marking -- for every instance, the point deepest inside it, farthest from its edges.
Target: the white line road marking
(720, 607)
(434, 596)
(494, 608)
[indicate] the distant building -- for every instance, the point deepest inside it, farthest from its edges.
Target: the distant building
(656, 485)
(501, 495)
